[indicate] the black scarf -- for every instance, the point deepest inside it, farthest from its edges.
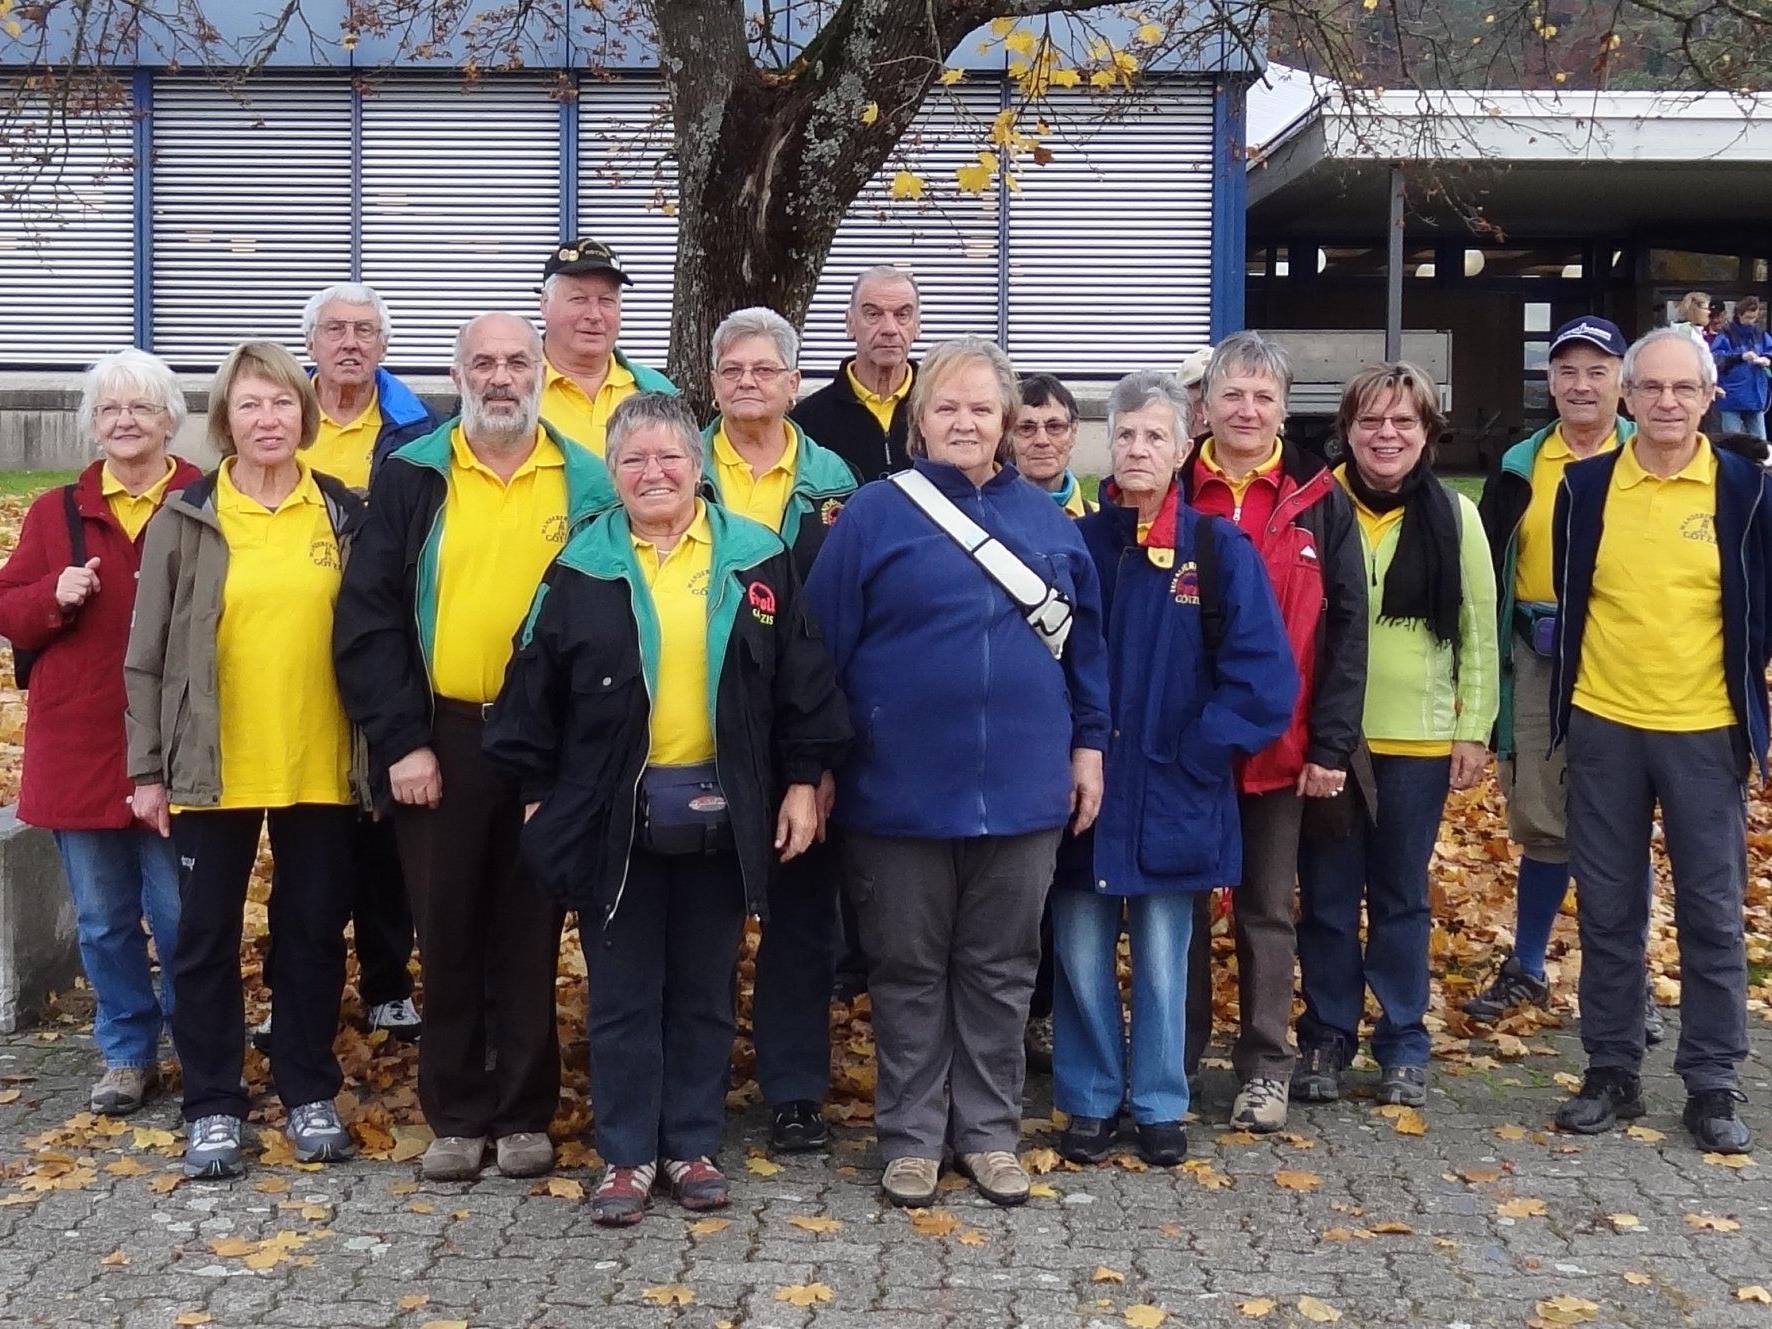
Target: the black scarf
(1423, 583)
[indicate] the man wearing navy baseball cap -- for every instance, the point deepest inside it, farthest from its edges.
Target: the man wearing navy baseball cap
(1585, 358)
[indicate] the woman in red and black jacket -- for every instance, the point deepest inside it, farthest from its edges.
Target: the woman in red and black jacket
(1303, 525)
(66, 597)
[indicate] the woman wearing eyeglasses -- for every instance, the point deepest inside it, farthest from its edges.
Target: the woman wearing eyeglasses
(1045, 434)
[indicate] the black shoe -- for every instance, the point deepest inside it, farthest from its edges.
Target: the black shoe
(1710, 1116)
(1317, 1077)
(1403, 1084)
(797, 1127)
(1511, 987)
(1608, 1096)
(1088, 1139)
(1162, 1143)
(1654, 1026)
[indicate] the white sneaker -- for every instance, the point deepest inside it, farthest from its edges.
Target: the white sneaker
(1260, 1106)
(399, 1018)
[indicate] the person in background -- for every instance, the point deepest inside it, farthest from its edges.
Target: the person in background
(1659, 691)
(464, 523)
(1431, 699)
(860, 413)
(65, 607)
(666, 663)
(977, 743)
(764, 467)
(1201, 674)
(1743, 355)
(1693, 316)
(234, 723)
(1192, 376)
(585, 375)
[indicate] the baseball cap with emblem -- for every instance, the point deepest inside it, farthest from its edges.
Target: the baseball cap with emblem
(584, 255)
(1598, 332)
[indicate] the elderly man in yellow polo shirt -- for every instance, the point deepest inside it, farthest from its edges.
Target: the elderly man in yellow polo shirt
(1662, 551)
(585, 374)
(464, 523)
(860, 414)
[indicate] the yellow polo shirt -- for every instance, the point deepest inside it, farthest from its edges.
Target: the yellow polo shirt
(682, 729)
(1533, 582)
(882, 407)
(1073, 506)
(498, 539)
(133, 510)
(1652, 650)
(344, 451)
(762, 497)
(284, 736)
(1209, 457)
(584, 419)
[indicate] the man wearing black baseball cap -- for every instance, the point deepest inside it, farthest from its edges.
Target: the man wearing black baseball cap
(586, 374)
(1585, 356)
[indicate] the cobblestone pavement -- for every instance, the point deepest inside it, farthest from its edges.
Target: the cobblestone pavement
(1350, 1218)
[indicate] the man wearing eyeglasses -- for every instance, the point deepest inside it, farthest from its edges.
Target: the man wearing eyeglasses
(1661, 557)
(765, 467)
(860, 414)
(365, 412)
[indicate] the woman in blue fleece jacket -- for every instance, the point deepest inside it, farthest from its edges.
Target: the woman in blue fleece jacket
(974, 747)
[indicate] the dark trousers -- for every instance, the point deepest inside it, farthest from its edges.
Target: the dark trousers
(310, 844)
(1385, 865)
(381, 918)
(952, 934)
(662, 1019)
(796, 962)
(490, 945)
(1616, 776)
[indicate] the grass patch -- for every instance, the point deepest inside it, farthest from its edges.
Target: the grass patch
(1471, 486)
(28, 484)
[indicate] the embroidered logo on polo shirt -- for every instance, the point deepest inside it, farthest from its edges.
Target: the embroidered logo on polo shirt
(323, 553)
(1185, 585)
(1700, 526)
(553, 530)
(698, 583)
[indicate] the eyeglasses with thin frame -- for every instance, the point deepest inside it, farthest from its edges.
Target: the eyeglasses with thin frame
(335, 330)
(1686, 392)
(765, 375)
(139, 410)
(635, 463)
(1031, 429)
(1371, 424)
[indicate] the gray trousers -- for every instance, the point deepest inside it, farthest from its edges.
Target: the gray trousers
(1616, 775)
(951, 931)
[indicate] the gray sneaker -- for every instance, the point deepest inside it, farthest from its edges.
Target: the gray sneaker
(212, 1147)
(123, 1089)
(317, 1133)
(1260, 1105)
(1403, 1084)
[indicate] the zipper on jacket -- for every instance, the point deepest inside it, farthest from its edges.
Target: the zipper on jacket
(417, 622)
(627, 861)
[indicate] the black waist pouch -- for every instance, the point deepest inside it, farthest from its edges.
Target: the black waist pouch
(684, 811)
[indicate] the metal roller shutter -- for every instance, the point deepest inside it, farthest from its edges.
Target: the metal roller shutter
(66, 248)
(1110, 243)
(626, 178)
(951, 245)
(252, 210)
(461, 204)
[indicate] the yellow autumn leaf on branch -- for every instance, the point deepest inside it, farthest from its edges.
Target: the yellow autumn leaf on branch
(1066, 78)
(907, 184)
(977, 179)
(1021, 42)
(870, 113)
(1002, 27)
(1102, 79)
(949, 77)
(1149, 33)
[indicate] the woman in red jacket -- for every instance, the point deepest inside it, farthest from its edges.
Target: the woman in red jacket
(66, 597)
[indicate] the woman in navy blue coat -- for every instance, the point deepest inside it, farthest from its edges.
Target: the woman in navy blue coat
(1200, 674)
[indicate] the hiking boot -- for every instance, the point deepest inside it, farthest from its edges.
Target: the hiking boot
(1260, 1105)
(123, 1089)
(318, 1135)
(1088, 1139)
(621, 1197)
(1654, 1026)
(798, 1127)
(910, 1182)
(697, 1184)
(1608, 1095)
(998, 1174)
(1512, 986)
(1403, 1084)
(1162, 1143)
(525, 1154)
(212, 1147)
(400, 1018)
(1317, 1077)
(1038, 1040)
(260, 1035)
(453, 1158)
(1710, 1116)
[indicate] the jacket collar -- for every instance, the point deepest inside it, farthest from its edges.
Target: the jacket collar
(589, 489)
(89, 497)
(954, 484)
(1518, 459)
(818, 472)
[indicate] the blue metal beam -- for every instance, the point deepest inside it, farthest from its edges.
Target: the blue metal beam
(141, 92)
(1229, 206)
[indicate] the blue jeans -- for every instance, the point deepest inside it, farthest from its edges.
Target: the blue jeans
(117, 878)
(1384, 865)
(1743, 422)
(1090, 1066)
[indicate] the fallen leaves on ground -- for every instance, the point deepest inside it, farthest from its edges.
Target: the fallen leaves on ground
(933, 1222)
(762, 1167)
(1647, 1134)
(1103, 1274)
(1041, 1191)
(193, 1317)
(707, 1227)
(1564, 1310)
(1320, 1312)
(414, 1302)
(669, 1294)
(1523, 1206)
(1637, 1278)
(115, 1260)
(1292, 1179)
(1624, 1222)
(1256, 1307)
(804, 1294)
(822, 1226)
(1736, 1161)
(561, 1188)
(1145, 1316)
(1041, 1161)
(1711, 1223)
(1754, 1292)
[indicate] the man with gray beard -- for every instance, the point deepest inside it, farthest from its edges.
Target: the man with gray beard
(464, 522)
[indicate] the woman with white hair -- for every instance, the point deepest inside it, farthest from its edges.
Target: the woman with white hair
(66, 596)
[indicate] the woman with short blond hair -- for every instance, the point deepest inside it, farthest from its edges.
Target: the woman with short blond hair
(235, 721)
